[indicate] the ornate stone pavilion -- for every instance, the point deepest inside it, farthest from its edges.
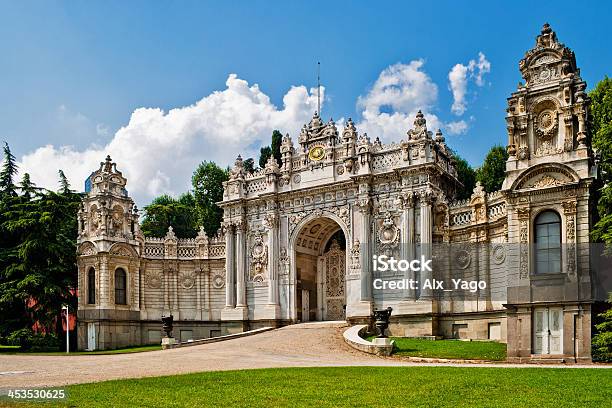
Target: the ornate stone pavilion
(297, 239)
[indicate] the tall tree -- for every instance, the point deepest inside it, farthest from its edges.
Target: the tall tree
(249, 165)
(8, 172)
(277, 140)
(64, 183)
(165, 211)
(493, 171)
(466, 175)
(600, 129)
(27, 187)
(264, 155)
(207, 184)
(37, 258)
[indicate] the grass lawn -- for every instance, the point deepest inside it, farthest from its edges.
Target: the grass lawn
(473, 350)
(356, 386)
(127, 350)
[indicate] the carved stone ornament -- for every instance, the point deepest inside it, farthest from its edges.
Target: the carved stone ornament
(259, 258)
(388, 233)
(546, 124)
(153, 279)
(463, 258)
(499, 254)
(545, 181)
(218, 280)
(355, 255)
(188, 279)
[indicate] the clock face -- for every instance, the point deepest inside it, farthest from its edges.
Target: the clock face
(316, 153)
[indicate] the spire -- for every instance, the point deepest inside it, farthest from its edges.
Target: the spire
(318, 87)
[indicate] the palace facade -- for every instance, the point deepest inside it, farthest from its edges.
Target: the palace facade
(297, 238)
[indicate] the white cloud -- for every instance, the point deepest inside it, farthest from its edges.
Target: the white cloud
(458, 80)
(158, 151)
(479, 68)
(457, 128)
(389, 107)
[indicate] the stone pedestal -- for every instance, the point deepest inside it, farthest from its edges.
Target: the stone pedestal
(168, 343)
(384, 341)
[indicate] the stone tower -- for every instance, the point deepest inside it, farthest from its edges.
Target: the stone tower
(546, 116)
(548, 187)
(109, 244)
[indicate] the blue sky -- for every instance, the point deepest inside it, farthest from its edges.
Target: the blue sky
(74, 73)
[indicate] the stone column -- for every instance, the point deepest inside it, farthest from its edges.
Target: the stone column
(104, 278)
(137, 286)
(240, 265)
(273, 253)
(363, 205)
(199, 292)
(407, 241)
(175, 302)
(230, 267)
(166, 280)
(426, 239)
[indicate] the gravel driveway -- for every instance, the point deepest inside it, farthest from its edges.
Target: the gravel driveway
(300, 345)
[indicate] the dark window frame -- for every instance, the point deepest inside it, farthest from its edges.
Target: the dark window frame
(120, 286)
(91, 286)
(547, 243)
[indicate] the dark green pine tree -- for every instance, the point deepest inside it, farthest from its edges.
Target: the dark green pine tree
(467, 176)
(277, 140)
(8, 172)
(264, 154)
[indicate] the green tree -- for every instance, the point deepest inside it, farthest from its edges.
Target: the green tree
(466, 175)
(207, 184)
(600, 129)
(602, 341)
(264, 155)
(493, 171)
(277, 140)
(64, 184)
(165, 211)
(38, 271)
(8, 172)
(249, 165)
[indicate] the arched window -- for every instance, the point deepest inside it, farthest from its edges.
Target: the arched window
(548, 243)
(120, 287)
(91, 286)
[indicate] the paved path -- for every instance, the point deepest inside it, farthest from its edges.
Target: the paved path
(300, 345)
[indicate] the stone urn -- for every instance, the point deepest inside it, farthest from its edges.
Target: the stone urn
(167, 322)
(381, 322)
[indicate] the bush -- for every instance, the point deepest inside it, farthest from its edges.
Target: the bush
(601, 344)
(26, 339)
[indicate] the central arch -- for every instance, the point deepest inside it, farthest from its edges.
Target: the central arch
(319, 261)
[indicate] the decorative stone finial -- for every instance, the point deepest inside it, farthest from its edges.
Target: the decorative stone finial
(170, 234)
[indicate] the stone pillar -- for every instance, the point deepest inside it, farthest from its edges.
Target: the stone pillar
(176, 310)
(240, 265)
(166, 280)
(143, 289)
(105, 299)
(230, 267)
(273, 254)
(407, 241)
(426, 240)
(366, 250)
(199, 273)
(137, 300)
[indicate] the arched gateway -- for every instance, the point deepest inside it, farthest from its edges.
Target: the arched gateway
(298, 236)
(319, 266)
